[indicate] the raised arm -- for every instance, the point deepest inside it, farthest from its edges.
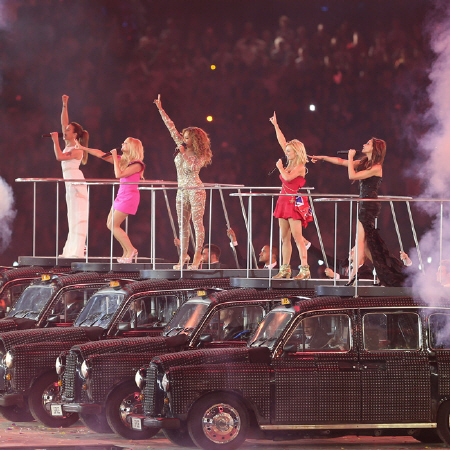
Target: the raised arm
(60, 156)
(64, 113)
(280, 135)
(176, 136)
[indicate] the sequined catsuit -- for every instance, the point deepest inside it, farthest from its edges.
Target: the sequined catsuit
(188, 168)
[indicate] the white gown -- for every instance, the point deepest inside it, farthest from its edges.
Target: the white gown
(77, 209)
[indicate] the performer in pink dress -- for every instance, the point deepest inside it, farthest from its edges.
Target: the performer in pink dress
(129, 168)
(76, 195)
(292, 212)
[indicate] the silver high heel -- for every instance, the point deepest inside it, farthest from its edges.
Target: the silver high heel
(129, 260)
(186, 260)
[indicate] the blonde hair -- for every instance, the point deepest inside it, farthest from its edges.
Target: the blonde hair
(200, 144)
(136, 153)
(300, 153)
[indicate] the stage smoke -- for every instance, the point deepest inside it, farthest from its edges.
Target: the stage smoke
(7, 214)
(432, 162)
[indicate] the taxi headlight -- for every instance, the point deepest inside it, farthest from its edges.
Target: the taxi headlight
(60, 365)
(9, 360)
(165, 383)
(85, 369)
(139, 378)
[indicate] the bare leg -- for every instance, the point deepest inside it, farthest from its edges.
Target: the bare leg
(360, 250)
(286, 244)
(297, 233)
(119, 233)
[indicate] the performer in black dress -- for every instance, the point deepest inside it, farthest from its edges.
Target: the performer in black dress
(369, 172)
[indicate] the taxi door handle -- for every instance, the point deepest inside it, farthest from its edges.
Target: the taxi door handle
(373, 365)
(348, 366)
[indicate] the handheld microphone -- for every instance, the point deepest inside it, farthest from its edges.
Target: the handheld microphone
(49, 135)
(345, 152)
(109, 153)
(177, 150)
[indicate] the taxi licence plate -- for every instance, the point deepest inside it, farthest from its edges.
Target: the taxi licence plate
(136, 423)
(56, 410)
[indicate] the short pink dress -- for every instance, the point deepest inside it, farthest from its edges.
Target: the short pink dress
(127, 199)
(296, 206)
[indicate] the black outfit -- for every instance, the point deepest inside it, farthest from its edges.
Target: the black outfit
(318, 340)
(388, 267)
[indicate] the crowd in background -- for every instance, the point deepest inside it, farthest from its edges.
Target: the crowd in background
(333, 81)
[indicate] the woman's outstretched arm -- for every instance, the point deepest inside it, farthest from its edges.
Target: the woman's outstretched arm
(176, 136)
(280, 135)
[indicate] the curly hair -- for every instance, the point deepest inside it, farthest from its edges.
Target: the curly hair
(200, 143)
(136, 153)
(378, 154)
(300, 153)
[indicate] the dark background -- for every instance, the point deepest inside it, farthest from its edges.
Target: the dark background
(113, 57)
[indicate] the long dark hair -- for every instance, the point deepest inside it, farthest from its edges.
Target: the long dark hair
(378, 154)
(82, 138)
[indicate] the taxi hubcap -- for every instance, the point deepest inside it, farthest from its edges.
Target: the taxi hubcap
(221, 423)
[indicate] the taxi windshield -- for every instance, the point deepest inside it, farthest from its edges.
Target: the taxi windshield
(32, 301)
(100, 310)
(187, 318)
(270, 328)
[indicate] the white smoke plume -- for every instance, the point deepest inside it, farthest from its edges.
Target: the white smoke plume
(7, 214)
(433, 154)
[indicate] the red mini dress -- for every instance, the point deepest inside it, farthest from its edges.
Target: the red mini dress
(295, 206)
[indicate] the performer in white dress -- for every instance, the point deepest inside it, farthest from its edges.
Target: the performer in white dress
(76, 196)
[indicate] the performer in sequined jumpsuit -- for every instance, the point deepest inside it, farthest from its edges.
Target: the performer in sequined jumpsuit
(194, 153)
(369, 172)
(76, 195)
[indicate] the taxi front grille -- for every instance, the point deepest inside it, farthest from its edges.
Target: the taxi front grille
(150, 389)
(69, 377)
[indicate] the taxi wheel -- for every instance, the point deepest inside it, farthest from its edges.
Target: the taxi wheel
(45, 390)
(443, 422)
(16, 413)
(96, 422)
(218, 421)
(122, 401)
(179, 436)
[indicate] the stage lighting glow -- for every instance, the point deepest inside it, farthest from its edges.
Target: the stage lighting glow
(312, 107)
(429, 260)
(209, 118)
(320, 262)
(213, 67)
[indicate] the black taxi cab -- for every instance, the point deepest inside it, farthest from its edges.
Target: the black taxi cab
(97, 378)
(328, 366)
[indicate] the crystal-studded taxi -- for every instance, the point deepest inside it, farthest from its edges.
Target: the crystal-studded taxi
(98, 378)
(28, 381)
(327, 366)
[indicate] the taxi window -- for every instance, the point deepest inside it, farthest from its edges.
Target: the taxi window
(235, 323)
(438, 325)
(325, 333)
(391, 331)
(151, 311)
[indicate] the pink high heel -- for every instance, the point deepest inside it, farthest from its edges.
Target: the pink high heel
(129, 260)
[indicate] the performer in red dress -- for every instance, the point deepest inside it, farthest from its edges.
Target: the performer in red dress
(292, 212)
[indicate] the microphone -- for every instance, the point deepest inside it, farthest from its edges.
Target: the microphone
(345, 152)
(49, 135)
(177, 149)
(109, 153)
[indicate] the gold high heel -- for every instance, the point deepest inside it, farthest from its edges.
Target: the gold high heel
(285, 271)
(186, 260)
(195, 265)
(304, 273)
